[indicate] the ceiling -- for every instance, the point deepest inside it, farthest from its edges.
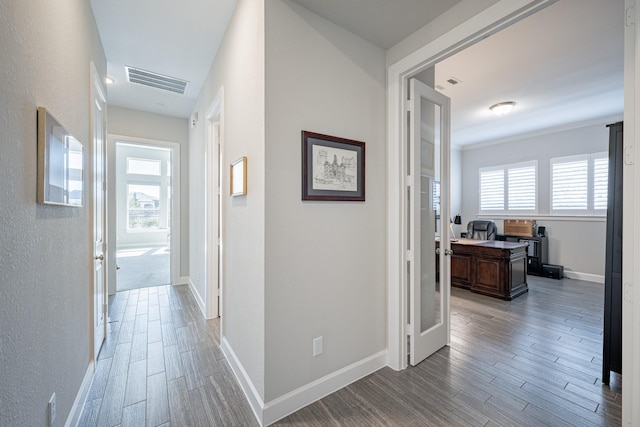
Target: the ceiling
(562, 65)
(173, 38)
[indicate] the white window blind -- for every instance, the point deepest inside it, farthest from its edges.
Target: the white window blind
(509, 188)
(569, 185)
(492, 190)
(579, 184)
(522, 188)
(435, 191)
(600, 183)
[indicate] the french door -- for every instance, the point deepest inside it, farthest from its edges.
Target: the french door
(428, 221)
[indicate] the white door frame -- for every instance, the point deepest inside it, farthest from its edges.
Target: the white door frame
(97, 94)
(498, 16)
(112, 140)
(489, 21)
(630, 223)
(213, 212)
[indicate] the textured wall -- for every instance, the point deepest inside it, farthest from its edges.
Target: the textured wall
(46, 48)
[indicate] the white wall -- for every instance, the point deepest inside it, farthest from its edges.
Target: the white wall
(325, 261)
(576, 243)
(456, 189)
(45, 250)
(150, 126)
(239, 68)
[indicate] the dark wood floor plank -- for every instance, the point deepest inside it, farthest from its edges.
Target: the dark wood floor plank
(155, 358)
(112, 402)
(120, 363)
(103, 369)
(190, 369)
(181, 412)
(134, 415)
(168, 334)
(136, 390)
(173, 362)
(139, 347)
(154, 312)
(141, 323)
(90, 413)
(157, 400)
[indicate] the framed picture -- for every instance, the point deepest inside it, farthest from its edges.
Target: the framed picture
(60, 163)
(239, 177)
(332, 168)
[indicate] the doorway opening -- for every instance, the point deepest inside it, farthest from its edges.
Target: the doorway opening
(144, 178)
(399, 75)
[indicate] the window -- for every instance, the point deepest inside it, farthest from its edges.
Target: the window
(143, 206)
(579, 184)
(143, 166)
(509, 189)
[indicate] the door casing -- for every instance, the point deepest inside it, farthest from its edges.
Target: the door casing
(213, 216)
(99, 300)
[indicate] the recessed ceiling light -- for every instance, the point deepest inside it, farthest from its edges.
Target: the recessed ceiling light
(109, 80)
(502, 108)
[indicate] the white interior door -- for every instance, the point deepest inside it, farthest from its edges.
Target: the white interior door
(98, 206)
(212, 215)
(429, 276)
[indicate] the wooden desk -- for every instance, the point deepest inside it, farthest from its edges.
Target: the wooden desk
(490, 267)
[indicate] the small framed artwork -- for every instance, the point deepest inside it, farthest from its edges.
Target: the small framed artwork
(239, 177)
(332, 168)
(60, 163)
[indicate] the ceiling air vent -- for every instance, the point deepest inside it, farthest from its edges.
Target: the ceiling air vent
(453, 81)
(149, 78)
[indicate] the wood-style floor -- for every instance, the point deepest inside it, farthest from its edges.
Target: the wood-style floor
(534, 361)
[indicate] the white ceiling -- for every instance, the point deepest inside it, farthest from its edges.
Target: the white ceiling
(173, 38)
(562, 65)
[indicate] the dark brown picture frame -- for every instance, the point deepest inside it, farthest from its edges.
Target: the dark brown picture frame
(333, 169)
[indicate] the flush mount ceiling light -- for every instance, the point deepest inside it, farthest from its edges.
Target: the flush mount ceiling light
(502, 108)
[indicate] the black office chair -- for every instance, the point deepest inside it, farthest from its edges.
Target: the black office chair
(481, 230)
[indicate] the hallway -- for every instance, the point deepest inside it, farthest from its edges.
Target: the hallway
(161, 364)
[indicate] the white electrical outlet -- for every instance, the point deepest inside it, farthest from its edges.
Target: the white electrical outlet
(317, 346)
(52, 409)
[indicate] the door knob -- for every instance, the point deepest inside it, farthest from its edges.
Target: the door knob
(448, 252)
(101, 257)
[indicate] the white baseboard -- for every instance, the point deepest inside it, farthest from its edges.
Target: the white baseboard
(287, 404)
(255, 401)
(81, 397)
(196, 296)
(587, 277)
(183, 280)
